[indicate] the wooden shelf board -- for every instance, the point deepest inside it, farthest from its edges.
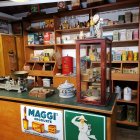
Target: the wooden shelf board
(125, 62)
(40, 61)
(125, 77)
(125, 122)
(125, 43)
(39, 45)
(117, 5)
(65, 44)
(40, 30)
(133, 101)
(121, 26)
(73, 30)
(41, 73)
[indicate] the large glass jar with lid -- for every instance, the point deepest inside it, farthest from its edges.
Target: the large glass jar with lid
(93, 71)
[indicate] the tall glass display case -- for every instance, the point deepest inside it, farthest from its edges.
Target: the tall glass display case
(93, 59)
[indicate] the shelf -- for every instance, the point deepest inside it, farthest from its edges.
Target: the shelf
(125, 77)
(41, 73)
(39, 46)
(125, 43)
(41, 62)
(133, 101)
(33, 30)
(121, 26)
(125, 62)
(67, 46)
(73, 30)
(125, 122)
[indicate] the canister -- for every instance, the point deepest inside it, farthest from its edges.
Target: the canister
(124, 55)
(130, 55)
(67, 64)
(46, 82)
(135, 56)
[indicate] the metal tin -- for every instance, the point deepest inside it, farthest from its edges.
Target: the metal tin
(67, 65)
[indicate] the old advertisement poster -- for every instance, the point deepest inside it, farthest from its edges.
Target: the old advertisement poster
(45, 122)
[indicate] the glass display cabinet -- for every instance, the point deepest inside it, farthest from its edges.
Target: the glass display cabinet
(93, 59)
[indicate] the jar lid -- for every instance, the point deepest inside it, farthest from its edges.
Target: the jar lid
(66, 85)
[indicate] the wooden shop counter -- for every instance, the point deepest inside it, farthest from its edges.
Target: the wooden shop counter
(10, 113)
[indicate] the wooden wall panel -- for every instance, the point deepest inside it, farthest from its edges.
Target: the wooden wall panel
(11, 123)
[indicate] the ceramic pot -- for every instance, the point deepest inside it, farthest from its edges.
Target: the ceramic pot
(66, 90)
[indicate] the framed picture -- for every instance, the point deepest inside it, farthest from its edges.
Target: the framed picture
(84, 126)
(17, 28)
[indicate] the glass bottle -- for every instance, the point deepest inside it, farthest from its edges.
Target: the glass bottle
(25, 121)
(46, 57)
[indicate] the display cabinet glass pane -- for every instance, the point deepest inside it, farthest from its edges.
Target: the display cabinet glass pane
(90, 58)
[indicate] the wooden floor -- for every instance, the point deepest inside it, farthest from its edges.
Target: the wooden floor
(127, 134)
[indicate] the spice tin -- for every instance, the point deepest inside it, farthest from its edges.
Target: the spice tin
(135, 56)
(130, 55)
(124, 56)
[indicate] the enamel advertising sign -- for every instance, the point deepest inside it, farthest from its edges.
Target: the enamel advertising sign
(84, 126)
(45, 122)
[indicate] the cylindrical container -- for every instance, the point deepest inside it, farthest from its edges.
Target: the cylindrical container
(67, 65)
(135, 56)
(124, 55)
(127, 93)
(46, 82)
(130, 55)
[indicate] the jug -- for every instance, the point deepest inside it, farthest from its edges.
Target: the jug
(118, 90)
(127, 93)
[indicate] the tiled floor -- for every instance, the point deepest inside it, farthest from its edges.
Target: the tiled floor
(127, 134)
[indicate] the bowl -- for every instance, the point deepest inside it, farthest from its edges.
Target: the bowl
(21, 74)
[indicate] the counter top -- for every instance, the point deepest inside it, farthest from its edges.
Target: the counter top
(57, 102)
